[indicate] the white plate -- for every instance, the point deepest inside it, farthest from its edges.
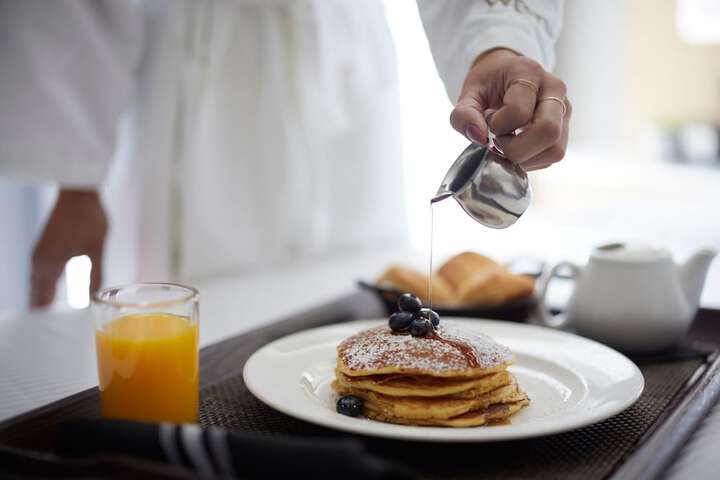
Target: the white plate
(571, 382)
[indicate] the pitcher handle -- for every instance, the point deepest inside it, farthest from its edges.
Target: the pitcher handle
(546, 317)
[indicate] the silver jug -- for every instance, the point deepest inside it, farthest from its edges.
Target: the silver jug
(491, 189)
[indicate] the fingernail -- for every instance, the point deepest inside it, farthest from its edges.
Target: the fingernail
(474, 134)
(498, 145)
(495, 145)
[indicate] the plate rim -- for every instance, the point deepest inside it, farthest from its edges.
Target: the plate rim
(446, 435)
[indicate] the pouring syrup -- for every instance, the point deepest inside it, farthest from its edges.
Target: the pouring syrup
(433, 201)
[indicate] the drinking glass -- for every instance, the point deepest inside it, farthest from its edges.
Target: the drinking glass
(146, 339)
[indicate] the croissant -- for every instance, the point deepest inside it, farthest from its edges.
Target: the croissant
(466, 278)
(458, 270)
(406, 279)
(495, 287)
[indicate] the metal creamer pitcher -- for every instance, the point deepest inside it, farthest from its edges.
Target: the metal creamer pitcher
(491, 189)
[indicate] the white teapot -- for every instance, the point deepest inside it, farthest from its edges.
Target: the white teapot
(632, 298)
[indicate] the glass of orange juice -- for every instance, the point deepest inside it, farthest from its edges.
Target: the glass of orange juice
(146, 338)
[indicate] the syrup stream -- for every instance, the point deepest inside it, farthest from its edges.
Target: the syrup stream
(430, 267)
(433, 201)
(467, 350)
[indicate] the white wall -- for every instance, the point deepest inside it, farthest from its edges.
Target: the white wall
(599, 193)
(591, 58)
(22, 209)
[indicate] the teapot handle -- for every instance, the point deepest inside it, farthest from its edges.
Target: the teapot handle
(546, 317)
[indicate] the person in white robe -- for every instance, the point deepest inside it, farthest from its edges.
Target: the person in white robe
(227, 136)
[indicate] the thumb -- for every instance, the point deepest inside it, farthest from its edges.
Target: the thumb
(95, 272)
(467, 118)
(45, 272)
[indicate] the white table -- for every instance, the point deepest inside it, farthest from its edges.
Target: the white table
(45, 355)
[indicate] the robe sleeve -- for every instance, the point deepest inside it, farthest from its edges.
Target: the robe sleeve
(460, 30)
(66, 77)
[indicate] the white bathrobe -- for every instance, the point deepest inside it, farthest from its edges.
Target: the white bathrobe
(231, 135)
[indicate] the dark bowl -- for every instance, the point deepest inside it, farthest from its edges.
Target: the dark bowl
(516, 311)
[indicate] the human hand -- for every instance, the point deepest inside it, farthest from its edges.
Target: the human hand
(77, 226)
(514, 92)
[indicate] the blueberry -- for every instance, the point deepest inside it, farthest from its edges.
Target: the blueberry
(407, 302)
(400, 321)
(349, 405)
(419, 327)
(431, 315)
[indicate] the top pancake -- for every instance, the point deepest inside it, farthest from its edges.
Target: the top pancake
(452, 352)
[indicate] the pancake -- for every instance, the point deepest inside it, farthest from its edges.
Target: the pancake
(450, 352)
(424, 408)
(452, 376)
(408, 280)
(475, 418)
(424, 386)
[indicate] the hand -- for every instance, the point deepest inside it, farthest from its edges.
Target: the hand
(77, 226)
(497, 85)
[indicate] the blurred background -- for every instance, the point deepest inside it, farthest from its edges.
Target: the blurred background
(643, 163)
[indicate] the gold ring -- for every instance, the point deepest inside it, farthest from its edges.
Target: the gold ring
(527, 83)
(556, 99)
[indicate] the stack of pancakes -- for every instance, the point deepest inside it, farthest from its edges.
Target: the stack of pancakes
(467, 278)
(449, 378)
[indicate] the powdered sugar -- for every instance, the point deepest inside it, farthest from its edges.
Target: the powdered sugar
(379, 347)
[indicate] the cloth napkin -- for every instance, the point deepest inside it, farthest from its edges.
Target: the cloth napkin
(216, 452)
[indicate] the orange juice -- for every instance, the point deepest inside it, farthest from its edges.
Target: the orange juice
(148, 368)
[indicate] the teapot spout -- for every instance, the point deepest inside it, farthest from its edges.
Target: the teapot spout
(692, 275)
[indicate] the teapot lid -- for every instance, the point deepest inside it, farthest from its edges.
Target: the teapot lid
(625, 252)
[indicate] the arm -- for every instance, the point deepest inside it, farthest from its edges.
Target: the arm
(481, 48)
(66, 78)
(461, 30)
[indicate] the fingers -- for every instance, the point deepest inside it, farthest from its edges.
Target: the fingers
(545, 129)
(467, 118)
(95, 272)
(46, 271)
(77, 226)
(521, 93)
(528, 126)
(557, 151)
(538, 167)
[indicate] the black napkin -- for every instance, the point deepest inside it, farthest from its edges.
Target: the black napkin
(218, 452)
